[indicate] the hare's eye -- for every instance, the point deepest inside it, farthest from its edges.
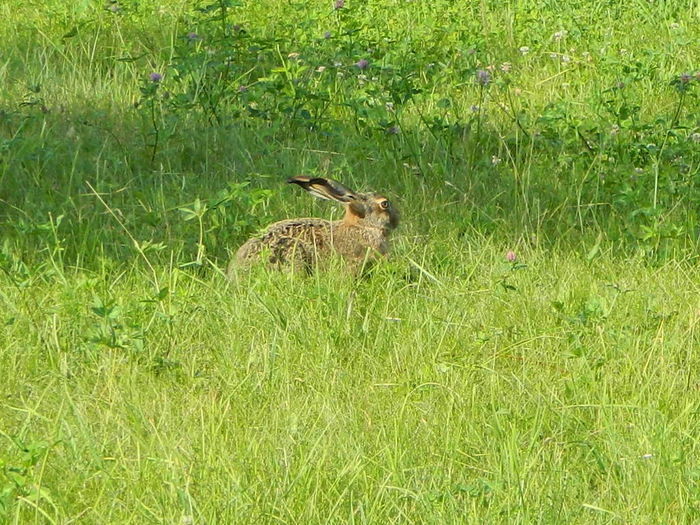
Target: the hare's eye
(384, 204)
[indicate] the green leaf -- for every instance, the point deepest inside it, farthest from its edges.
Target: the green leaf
(593, 252)
(71, 33)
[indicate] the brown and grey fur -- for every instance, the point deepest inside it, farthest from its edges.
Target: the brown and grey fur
(360, 236)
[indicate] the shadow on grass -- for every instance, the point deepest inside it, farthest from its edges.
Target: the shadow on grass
(86, 184)
(55, 162)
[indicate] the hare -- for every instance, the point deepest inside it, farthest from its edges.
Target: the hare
(360, 236)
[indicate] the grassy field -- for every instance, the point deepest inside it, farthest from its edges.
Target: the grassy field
(142, 142)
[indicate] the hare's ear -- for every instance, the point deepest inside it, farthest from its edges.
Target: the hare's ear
(357, 208)
(324, 188)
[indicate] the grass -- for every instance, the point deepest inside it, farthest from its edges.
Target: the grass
(374, 402)
(449, 385)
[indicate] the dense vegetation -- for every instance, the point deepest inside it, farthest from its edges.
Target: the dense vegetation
(527, 355)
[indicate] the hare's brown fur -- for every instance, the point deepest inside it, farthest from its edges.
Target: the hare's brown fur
(361, 235)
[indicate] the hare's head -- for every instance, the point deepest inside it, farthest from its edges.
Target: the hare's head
(369, 210)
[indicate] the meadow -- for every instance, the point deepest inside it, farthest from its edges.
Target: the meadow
(526, 355)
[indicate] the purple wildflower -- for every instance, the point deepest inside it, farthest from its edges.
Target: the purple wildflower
(242, 89)
(327, 35)
(483, 77)
(155, 77)
(339, 4)
(511, 257)
(685, 78)
(192, 36)
(362, 64)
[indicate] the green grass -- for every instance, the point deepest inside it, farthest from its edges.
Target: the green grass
(378, 401)
(446, 386)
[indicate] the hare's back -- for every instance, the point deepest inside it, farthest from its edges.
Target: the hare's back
(286, 241)
(314, 231)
